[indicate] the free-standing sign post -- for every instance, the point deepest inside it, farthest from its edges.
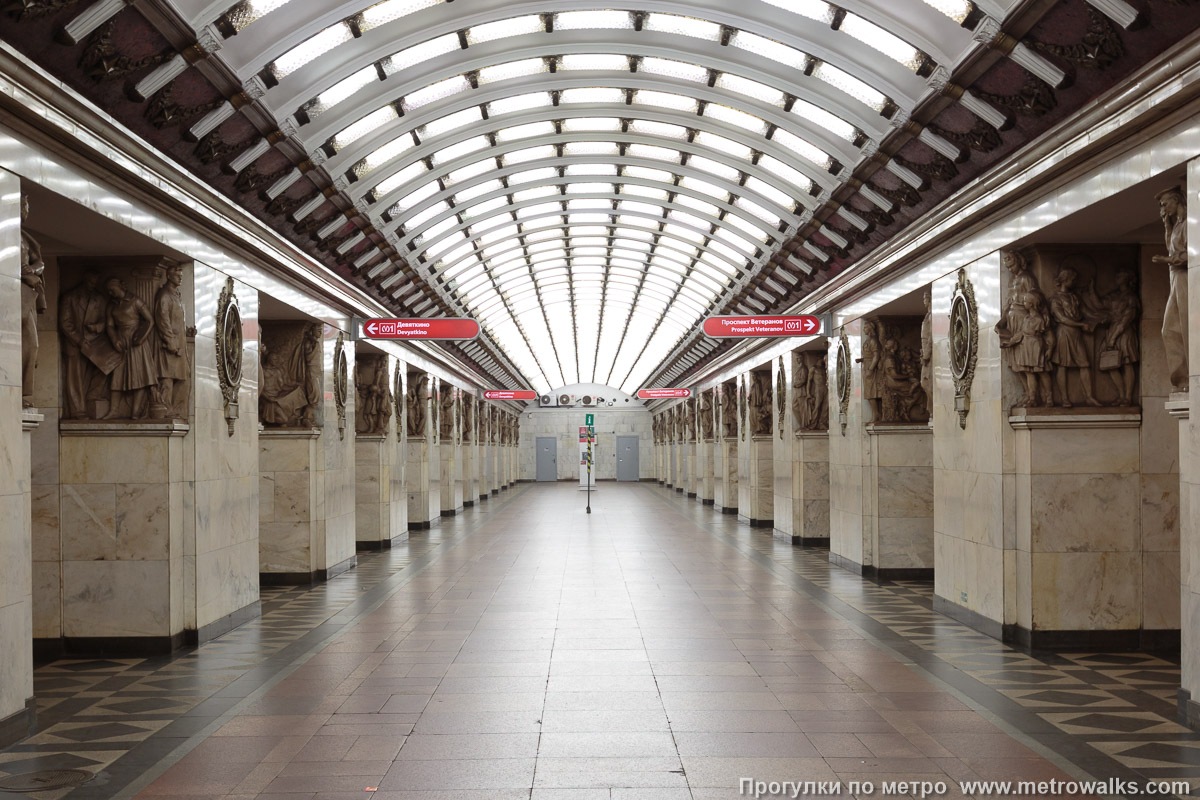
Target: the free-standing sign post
(587, 437)
(506, 394)
(768, 327)
(446, 329)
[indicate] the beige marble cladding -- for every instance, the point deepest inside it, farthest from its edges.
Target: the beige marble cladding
(848, 455)
(564, 425)
(16, 590)
(783, 429)
(450, 468)
(380, 491)
(423, 461)
(222, 566)
(810, 487)
(725, 472)
(900, 479)
(1189, 439)
(306, 479)
(704, 470)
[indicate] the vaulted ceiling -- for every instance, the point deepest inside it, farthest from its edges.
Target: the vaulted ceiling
(589, 181)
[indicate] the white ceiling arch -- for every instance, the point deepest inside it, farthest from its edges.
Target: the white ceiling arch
(589, 180)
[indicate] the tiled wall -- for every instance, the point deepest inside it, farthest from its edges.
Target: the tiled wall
(564, 425)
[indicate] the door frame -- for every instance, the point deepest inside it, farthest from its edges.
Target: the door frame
(637, 455)
(537, 452)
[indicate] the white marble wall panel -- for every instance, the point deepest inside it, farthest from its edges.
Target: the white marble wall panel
(900, 476)
(564, 425)
(289, 520)
(16, 589)
(1189, 438)
(810, 487)
(335, 498)
(847, 457)
(704, 470)
(783, 427)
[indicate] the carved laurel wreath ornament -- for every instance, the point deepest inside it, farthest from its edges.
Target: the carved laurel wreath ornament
(781, 397)
(843, 379)
(229, 351)
(963, 344)
(340, 382)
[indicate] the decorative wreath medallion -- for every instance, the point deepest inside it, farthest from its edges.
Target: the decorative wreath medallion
(341, 382)
(229, 351)
(964, 344)
(843, 379)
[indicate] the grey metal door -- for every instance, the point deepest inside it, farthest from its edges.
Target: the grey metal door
(547, 458)
(627, 458)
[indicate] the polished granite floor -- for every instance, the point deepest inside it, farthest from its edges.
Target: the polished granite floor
(654, 649)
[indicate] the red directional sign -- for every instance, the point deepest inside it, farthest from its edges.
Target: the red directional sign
(662, 394)
(759, 327)
(509, 395)
(448, 328)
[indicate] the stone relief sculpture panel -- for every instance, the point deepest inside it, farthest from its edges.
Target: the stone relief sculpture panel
(33, 303)
(125, 340)
(892, 370)
(927, 353)
(742, 405)
(1072, 311)
(468, 417)
(760, 403)
(706, 415)
(810, 391)
(291, 378)
(690, 418)
(729, 409)
(417, 404)
(373, 397)
(446, 413)
(1172, 209)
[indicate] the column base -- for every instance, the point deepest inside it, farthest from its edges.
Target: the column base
(222, 626)
(1091, 641)
(20, 725)
(819, 542)
(306, 578)
(972, 619)
(46, 650)
(373, 547)
(452, 512)
(706, 502)
(728, 510)
(466, 504)
(424, 526)
(1189, 711)
(691, 495)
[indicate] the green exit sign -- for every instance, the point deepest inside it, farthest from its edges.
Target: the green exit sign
(591, 420)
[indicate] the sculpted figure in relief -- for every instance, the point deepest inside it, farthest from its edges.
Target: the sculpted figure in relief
(33, 303)
(1071, 322)
(418, 389)
(706, 415)
(374, 408)
(446, 413)
(1120, 351)
(129, 324)
(810, 401)
(927, 353)
(291, 377)
(760, 403)
(81, 323)
(872, 362)
(729, 412)
(1024, 331)
(1172, 208)
(901, 384)
(170, 347)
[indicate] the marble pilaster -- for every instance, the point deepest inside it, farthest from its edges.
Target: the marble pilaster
(849, 547)
(899, 483)
(423, 462)
(451, 467)
(1189, 463)
(16, 589)
(704, 470)
(783, 426)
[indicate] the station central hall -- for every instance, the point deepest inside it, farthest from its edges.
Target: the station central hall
(544, 400)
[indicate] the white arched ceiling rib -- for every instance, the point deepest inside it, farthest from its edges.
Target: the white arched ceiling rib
(589, 253)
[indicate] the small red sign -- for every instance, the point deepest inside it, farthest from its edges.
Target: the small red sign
(447, 328)
(510, 395)
(662, 394)
(760, 327)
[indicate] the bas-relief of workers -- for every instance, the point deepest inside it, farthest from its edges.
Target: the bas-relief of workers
(119, 349)
(291, 375)
(373, 409)
(810, 391)
(892, 370)
(1074, 331)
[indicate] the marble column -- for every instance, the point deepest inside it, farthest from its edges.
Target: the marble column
(690, 446)
(1189, 469)
(469, 450)
(16, 593)
(725, 452)
(783, 423)
(810, 489)
(380, 492)
(307, 516)
(451, 450)
(1057, 527)
(756, 465)
(704, 466)
(849, 547)
(423, 460)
